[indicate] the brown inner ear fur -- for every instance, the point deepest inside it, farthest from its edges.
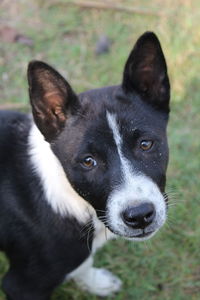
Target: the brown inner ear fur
(146, 72)
(53, 99)
(50, 97)
(50, 115)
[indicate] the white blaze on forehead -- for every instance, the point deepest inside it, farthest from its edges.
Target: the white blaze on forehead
(58, 191)
(134, 189)
(125, 164)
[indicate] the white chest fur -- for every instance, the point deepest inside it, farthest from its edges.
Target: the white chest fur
(94, 280)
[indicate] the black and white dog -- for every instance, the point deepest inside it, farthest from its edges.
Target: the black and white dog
(86, 164)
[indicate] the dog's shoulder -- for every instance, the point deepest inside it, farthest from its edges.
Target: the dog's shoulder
(13, 125)
(14, 130)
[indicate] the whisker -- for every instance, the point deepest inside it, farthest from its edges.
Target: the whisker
(102, 218)
(88, 237)
(85, 226)
(101, 210)
(147, 245)
(88, 229)
(170, 222)
(168, 225)
(173, 204)
(106, 234)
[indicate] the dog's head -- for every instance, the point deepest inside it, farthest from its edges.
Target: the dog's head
(111, 142)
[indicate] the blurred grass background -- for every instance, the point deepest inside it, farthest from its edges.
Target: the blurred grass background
(64, 34)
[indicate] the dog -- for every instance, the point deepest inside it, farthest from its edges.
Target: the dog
(79, 166)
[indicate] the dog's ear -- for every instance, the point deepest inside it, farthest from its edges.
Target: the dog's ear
(146, 72)
(51, 98)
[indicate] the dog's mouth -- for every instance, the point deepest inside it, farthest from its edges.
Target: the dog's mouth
(132, 236)
(142, 235)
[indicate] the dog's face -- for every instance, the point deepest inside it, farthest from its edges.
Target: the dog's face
(111, 142)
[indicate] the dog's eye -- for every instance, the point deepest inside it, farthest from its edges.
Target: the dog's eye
(89, 162)
(146, 145)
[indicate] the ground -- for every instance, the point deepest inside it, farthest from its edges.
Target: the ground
(65, 34)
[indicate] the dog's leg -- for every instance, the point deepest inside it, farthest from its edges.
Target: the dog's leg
(95, 280)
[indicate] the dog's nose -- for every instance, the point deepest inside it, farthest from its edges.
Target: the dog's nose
(139, 217)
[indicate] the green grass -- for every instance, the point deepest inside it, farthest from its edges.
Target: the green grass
(168, 266)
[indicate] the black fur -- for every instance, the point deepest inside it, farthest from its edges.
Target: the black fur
(38, 243)
(42, 246)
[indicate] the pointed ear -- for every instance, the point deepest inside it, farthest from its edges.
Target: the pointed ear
(146, 72)
(51, 98)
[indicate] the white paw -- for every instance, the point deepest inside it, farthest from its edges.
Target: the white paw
(100, 282)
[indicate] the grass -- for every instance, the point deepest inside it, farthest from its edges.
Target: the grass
(168, 266)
